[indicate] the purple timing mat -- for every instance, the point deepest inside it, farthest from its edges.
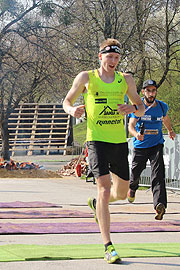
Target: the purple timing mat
(25, 214)
(19, 204)
(86, 227)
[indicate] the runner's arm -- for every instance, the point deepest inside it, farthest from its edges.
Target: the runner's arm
(77, 88)
(167, 123)
(134, 98)
(132, 129)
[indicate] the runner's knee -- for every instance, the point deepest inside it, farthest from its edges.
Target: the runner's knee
(120, 195)
(104, 194)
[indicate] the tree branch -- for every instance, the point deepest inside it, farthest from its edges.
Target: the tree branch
(4, 30)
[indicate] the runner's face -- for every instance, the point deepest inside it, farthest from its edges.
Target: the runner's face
(150, 93)
(109, 61)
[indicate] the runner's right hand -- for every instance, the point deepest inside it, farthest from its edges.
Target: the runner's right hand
(77, 111)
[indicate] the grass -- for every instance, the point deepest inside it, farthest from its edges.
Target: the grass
(79, 133)
(143, 188)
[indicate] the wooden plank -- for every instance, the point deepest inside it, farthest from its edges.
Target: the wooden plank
(39, 104)
(40, 109)
(45, 114)
(35, 128)
(35, 139)
(37, 124)
(26, 118)
(67, 133)
(29, 153)
(39, 148)
(37, 143)
(38, 134)
(30, 120)
(50, 134)
(16, 133)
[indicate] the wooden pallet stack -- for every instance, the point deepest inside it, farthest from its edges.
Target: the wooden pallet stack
(38, 128)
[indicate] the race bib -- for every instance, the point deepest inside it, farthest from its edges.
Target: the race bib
(151, 131)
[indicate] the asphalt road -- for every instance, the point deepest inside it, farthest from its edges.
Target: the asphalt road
(72, 193)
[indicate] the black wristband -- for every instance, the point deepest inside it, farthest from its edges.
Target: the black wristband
(136, 107)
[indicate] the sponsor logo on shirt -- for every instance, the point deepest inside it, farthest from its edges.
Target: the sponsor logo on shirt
(108, 122)
(100, 100)
(108, 111)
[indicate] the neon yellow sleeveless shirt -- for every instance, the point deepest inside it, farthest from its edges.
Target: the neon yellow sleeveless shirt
(104, 123)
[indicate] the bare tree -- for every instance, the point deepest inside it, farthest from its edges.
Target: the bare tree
(154, 44)
(21, 36)
(44, 44)
(147, 30)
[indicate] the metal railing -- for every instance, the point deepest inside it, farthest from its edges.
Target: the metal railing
(171, 161)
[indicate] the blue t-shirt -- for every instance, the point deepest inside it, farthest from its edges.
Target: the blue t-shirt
(152, 120)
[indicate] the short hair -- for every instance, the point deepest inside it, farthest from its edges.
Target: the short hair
(109, 42)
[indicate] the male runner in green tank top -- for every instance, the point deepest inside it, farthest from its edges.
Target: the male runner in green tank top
(104, 90)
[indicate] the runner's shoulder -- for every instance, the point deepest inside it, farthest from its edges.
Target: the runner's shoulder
(83, 77)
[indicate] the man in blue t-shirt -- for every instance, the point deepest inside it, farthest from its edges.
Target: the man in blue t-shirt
(148, 145)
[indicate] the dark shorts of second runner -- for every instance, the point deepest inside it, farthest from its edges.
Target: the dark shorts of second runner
(107, 157)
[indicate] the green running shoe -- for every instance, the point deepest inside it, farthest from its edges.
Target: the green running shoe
(92, 205)
(131, 195)
(111, 255)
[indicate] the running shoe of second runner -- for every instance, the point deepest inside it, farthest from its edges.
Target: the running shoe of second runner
(131, 195)
(160, 211)
(111, 255)
(92, 205)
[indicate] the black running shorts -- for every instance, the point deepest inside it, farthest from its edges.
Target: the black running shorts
(104, 157)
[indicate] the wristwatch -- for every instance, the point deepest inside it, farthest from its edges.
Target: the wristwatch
(136, 108)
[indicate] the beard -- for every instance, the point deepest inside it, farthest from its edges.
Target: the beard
(150, 101)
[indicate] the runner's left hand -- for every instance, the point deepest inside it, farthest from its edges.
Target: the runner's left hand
(172, 134)
(125, 109)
